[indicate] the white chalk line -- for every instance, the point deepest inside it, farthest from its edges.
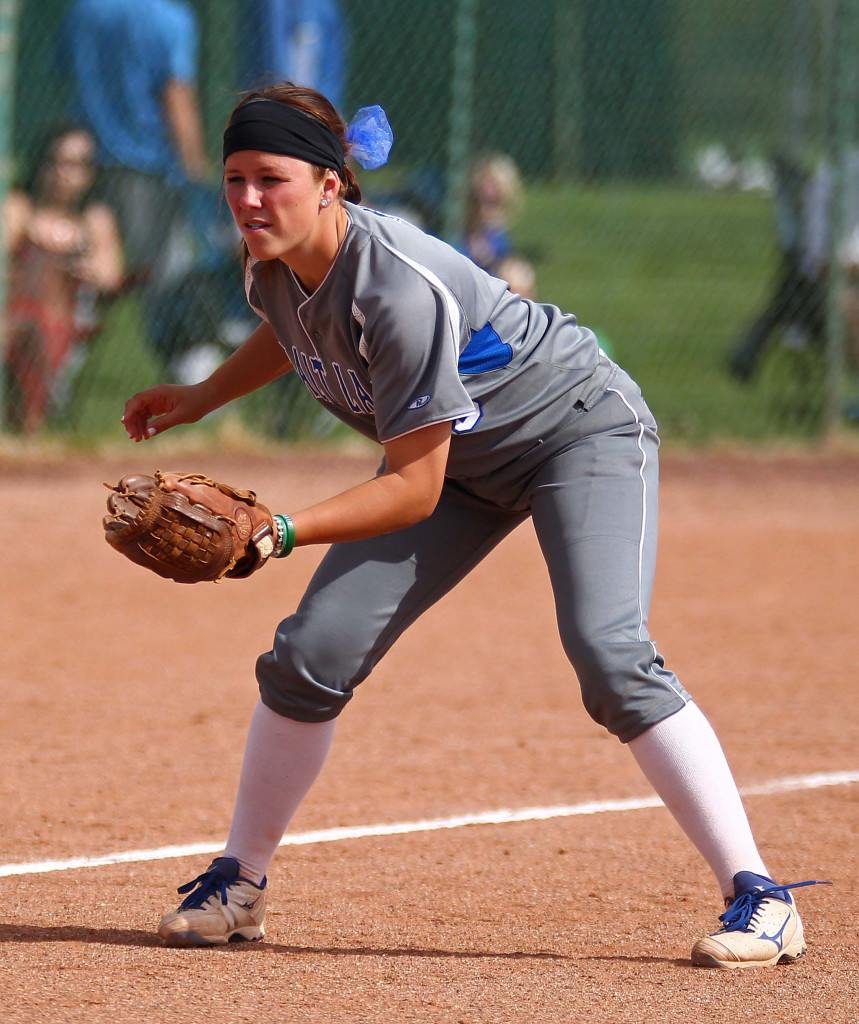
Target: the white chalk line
(500, 817)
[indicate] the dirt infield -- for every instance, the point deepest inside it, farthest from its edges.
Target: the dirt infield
(126, 700)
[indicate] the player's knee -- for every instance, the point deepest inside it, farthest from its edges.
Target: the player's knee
(626, 688)
(307, 675)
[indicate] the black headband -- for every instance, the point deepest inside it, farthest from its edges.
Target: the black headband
(273, 127)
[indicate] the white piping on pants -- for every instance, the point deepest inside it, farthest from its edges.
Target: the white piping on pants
(622, 397)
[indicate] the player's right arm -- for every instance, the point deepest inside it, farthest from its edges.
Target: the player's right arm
(257, 362)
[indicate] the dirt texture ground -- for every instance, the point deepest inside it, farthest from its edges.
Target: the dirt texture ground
(125, 704)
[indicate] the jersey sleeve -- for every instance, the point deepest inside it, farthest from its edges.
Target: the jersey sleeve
(412, 325)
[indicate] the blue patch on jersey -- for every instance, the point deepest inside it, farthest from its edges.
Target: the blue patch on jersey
(419, 402)
(485, 351)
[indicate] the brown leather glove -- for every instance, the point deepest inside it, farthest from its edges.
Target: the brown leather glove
(187, 527)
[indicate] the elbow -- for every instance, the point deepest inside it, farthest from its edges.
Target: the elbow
(422, 507)
(414, 505)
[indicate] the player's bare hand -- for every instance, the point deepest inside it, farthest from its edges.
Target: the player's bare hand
(156, 409)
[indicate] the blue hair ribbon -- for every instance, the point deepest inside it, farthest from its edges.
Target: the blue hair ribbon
(370, 137)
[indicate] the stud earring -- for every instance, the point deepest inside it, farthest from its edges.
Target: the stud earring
(324, 202)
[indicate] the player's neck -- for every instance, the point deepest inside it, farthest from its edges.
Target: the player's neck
(311, 266)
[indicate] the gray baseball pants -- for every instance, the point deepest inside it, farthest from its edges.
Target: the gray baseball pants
(593, 503)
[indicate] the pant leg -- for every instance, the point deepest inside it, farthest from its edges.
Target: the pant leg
(595, 513)
(364, 595)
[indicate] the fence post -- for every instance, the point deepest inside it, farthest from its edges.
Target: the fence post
(9, 10)
(462, 104)
(841, 145)
(567, 89)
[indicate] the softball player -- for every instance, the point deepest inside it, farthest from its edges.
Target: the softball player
(490, 409)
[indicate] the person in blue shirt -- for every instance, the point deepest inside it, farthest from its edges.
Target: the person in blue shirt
(132, 70)
(305, 41)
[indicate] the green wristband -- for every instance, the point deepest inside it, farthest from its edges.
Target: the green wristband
(287, 536)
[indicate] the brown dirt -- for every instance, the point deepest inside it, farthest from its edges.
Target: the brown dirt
(126, 700)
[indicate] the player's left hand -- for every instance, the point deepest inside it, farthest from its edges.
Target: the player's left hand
(159, 408)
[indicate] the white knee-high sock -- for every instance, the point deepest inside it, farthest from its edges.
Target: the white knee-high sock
(684, 762)
(281, 762)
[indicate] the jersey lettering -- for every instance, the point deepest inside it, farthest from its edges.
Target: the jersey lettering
(360, 403)
(319, 370)
(302, 368)
(364, 397)
(311, 369)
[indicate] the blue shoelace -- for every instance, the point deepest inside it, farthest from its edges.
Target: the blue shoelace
(738, 917)
(210, 883)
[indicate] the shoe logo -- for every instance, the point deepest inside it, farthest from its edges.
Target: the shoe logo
(778, 937)
(253, 903)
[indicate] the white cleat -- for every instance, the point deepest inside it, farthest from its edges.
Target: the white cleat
(760, 928)
(222, 908)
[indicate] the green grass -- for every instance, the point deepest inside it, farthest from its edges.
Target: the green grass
(668, 278)
(118, 364)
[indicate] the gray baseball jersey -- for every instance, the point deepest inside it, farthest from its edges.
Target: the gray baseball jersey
(405, 332)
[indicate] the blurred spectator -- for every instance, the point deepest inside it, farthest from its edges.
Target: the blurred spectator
(494, 196)
(63, 252)
(797, 307)
(850, 306)
(133, 70)
(849, 256)
(494, 200)
(302, 41)
(805, 221)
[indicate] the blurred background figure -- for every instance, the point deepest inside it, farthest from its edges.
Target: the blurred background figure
(822, 231)
(798, 309)
(64, 252)
(494, 198)
(850, 258)
(493, 204)
(302, 41)
(132, 68)
(797, 306)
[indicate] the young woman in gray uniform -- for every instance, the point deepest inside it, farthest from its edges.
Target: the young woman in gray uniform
(490, 409)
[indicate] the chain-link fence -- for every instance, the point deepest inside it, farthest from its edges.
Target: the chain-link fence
(684, 176)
